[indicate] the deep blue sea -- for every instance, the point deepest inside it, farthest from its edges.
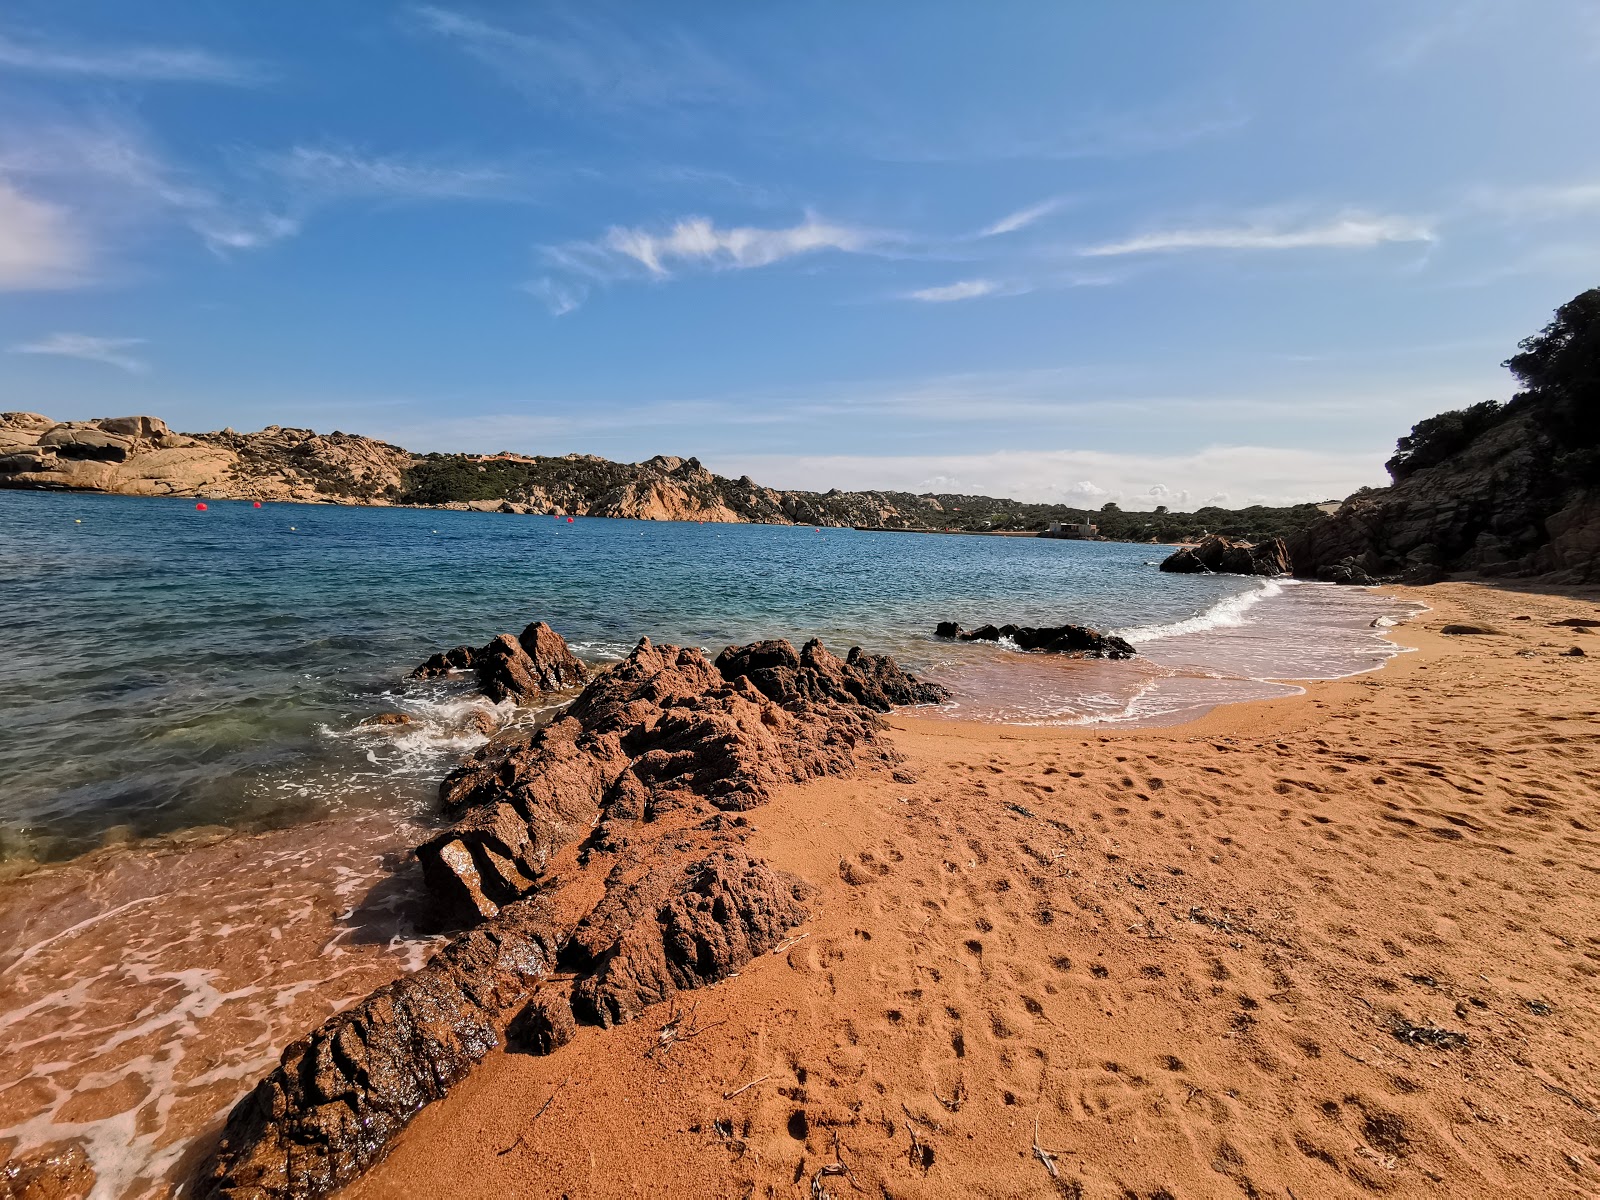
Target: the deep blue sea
(163, 668)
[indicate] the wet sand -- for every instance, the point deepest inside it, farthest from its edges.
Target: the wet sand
(1338, 944)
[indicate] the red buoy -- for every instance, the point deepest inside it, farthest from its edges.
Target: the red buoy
(255, 504)
(569, 520)
(201, 507)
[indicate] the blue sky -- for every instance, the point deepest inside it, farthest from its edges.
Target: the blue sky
(1160, 253)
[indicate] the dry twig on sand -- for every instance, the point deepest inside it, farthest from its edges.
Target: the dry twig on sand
(745, 1088)
(919, 1153)
(1047, 1157)
(784, 945)
(679, 1029)
(836, 1167)
(958, 1096)
(549, 1100)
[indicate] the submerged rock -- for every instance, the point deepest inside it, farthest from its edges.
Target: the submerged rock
(1216, 554)
(1077, 641)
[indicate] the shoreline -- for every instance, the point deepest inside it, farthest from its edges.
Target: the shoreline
(1183, 952)
(350, 502)
(867, 840)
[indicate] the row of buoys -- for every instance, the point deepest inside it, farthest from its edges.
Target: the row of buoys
(202, 506)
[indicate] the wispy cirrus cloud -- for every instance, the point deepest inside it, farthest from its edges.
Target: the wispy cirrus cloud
(560, 57)
(1021, 219)
(107, 172)
(635, 252)
(1353, 231)
(966, 289)
(337, 172)
(112, 351)
(40, 247)
(133, 64)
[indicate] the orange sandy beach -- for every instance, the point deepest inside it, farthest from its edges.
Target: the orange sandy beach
(1335, 945)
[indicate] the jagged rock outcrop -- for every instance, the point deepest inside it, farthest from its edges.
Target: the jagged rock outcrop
(340, 1096)
(678, 928)
(1219, 555)
(524, 668)
(136, 456)
(653, 760)
(873, 680)
(285, 463)
(1076, 641)
(1481, 510)
(662, 730)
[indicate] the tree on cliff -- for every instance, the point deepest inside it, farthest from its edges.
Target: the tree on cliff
(1559, 368)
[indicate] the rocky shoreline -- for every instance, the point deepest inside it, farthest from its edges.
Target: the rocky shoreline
(640, 786)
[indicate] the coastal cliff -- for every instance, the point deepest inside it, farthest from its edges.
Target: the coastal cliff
(1496, 489)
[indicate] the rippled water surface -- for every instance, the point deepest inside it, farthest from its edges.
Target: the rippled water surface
(166, 668)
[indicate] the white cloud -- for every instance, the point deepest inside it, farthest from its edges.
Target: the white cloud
(697, 240)
(1351, 231)
(340, 172)
(39, 248)
(632, 252)
(1249, 474)
(108, 350)
(143, 64)
(607, 65)
(1020, 219)
(967, 289)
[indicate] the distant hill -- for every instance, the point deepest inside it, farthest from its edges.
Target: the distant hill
(141, 456)
(1496, 489)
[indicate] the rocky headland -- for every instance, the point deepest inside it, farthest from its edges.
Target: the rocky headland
(142, 456)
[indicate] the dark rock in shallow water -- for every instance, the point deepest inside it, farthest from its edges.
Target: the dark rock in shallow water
(522, 668)
(340, 1096)
(1078, 641)
(1224, 556)
(447, 662)
(387, 718)
(1349, 571)
(675, 929)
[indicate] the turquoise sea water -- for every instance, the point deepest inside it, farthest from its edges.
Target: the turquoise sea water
(165, 668)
